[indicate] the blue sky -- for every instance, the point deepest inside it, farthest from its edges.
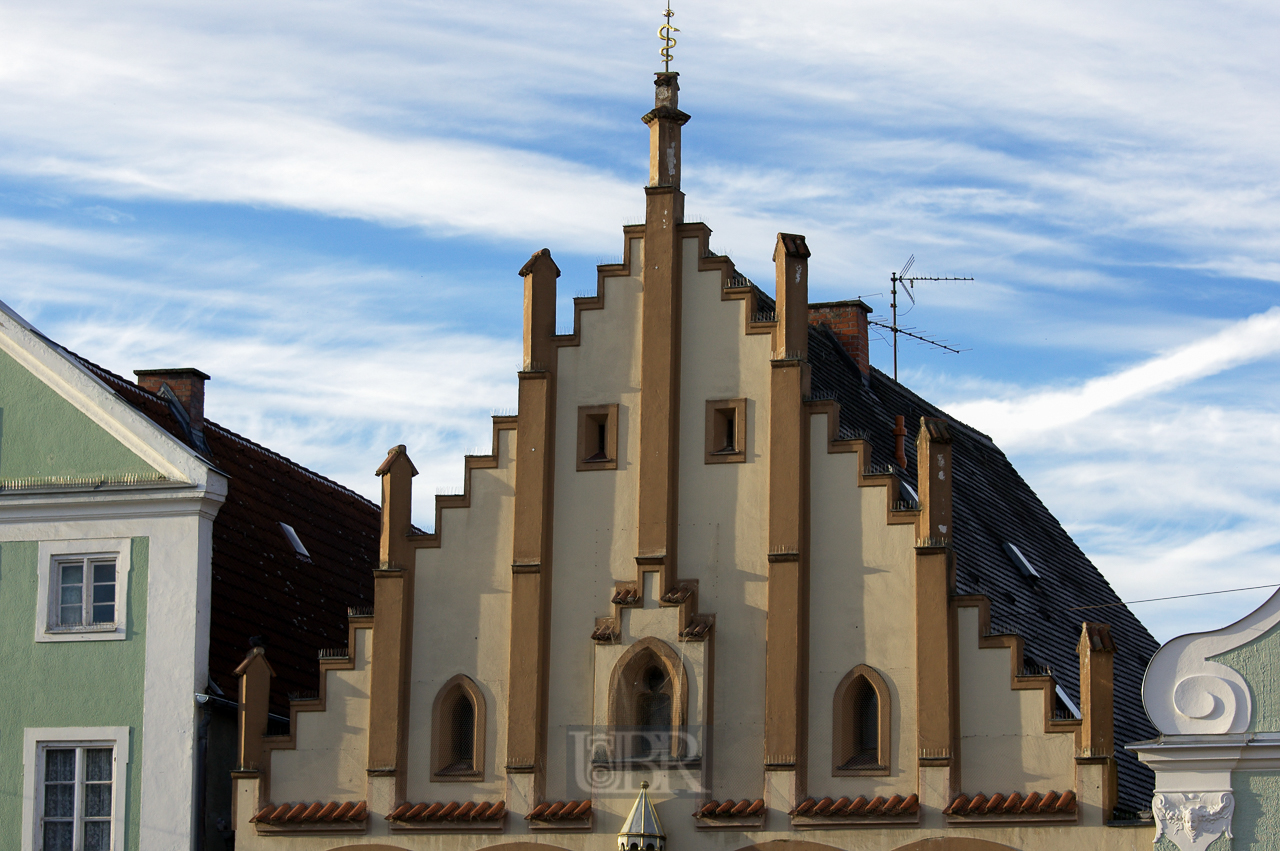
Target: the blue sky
(324, 205)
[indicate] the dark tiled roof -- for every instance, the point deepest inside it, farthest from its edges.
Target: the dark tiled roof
(261, 585)
(858, 807)
(314, 813)
(1015, 803)
(451, 811)
(991, 506)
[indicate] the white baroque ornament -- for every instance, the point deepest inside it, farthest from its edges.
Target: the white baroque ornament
(1192, 820)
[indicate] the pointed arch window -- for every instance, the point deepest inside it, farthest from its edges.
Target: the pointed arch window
(860, 740)
(648, 702)
(458, 732)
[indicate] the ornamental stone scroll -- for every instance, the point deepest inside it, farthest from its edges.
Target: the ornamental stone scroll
(1187, 692)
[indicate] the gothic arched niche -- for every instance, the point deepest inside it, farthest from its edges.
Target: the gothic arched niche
(648, 701)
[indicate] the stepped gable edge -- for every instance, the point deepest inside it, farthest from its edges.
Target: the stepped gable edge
(993, 504)
(431, 540)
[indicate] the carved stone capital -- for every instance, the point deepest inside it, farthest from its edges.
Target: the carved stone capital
(1192, 820)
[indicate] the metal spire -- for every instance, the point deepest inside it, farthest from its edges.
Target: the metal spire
(642, 831)
(664, 33)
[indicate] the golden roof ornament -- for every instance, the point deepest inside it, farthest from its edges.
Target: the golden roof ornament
(642, 831)
(664, 33)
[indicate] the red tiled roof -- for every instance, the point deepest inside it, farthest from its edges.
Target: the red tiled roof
(320, 811)
(626, 595)
(261, 585)
(730, 807)
(1015, 803)
(858, 807)
(560, 811)
(452, 811)
(606, 633)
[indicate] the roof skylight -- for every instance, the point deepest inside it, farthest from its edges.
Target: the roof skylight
(295, 540)
(1066, 700)
(1020, 560)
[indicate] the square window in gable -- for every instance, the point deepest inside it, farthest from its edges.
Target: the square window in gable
(726, 431)
(598, 437)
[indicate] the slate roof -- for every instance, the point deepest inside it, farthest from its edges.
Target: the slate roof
(261, 586)
(992, 505)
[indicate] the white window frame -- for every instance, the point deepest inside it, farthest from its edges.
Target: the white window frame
(36, 740)
(51, 552)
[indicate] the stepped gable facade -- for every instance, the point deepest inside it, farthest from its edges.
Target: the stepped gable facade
(720, 565)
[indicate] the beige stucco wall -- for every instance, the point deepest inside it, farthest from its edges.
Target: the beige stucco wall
(462, 605)
(1003, 746)
(329, 761)
(862, 612)
(594, 537)
(724, 518)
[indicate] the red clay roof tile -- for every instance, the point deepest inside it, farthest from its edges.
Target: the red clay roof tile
(311, 813)
(730, 808)
(859, 807)
(451, 811)
(1015, 803)
(560, 811)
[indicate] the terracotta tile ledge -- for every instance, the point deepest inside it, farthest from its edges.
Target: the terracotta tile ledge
(825, 812)
(1014, 805)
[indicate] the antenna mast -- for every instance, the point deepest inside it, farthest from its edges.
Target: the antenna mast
(896, 278)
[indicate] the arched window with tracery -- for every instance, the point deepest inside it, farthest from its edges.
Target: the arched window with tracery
(458, 731)
(861, 724)
(647, 702)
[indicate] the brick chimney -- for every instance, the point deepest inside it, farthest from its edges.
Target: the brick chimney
(848, 321)
(186, 384)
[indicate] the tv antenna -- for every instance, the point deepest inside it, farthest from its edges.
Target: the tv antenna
(909, 282)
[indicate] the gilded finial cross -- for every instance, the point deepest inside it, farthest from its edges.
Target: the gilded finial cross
(664, 33)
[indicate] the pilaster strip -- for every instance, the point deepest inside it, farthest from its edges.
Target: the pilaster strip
(531, 546)
(391, 662)
(660, 336)
(936, 658)
(787, 626)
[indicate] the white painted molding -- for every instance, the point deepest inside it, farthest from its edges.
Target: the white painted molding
(1187, 694)
(121, 549)
(50, 364)
(1193, 820)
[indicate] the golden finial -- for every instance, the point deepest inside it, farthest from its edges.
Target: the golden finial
(664, 33)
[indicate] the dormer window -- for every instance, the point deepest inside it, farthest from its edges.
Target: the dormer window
(598, 437)
(726, 431)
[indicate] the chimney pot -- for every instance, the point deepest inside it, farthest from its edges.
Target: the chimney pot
(186, 383)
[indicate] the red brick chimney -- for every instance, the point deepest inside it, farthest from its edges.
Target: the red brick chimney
(186, 383)
(848, 321)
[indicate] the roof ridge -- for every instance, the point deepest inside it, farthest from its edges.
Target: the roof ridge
(133, 387)
(226, 432)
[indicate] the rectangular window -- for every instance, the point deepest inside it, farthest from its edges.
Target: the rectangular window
(72, 800)
(598, 437)
(77, 789)
(86, 592)
(726, 431)
(83, 590)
